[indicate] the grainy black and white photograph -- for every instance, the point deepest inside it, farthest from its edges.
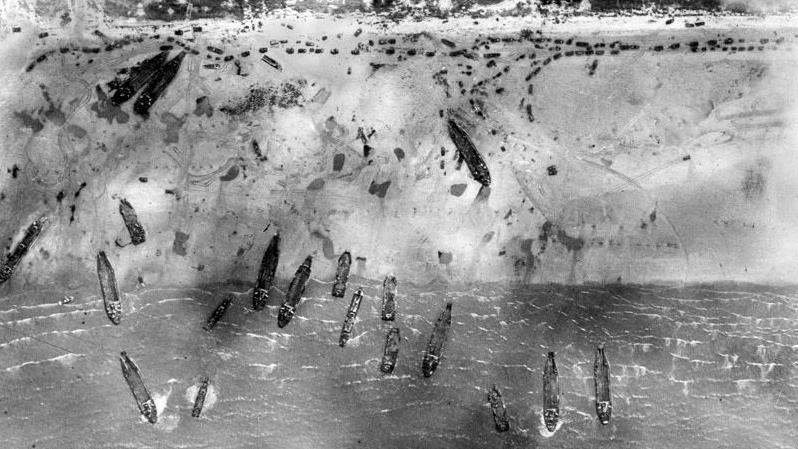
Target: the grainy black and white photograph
(415, 224)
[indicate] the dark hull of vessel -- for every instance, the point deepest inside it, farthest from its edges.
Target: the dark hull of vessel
(199, 402)
(294, 295)
(218, 313)
(143, 399)
(498, 410)
(268, 268)
(342, 275)
(468, 152)
(389, 298)
(351, 315)
(432, 355)
(551, 394)
(391, 351)
(134, 228)
(108, 288)
(15, 256)
(601, 373)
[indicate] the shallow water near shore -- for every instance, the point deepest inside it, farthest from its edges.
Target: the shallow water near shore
(700, 367)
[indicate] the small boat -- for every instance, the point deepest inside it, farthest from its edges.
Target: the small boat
(432, 355)
(391, 351)
(134, 228)
(14, 257)
(294, 295)
(551, 394)
(389, 298)
(143, 399)
(108, 288)
(351, 314)
(498, 410)
(218, 313)
(342, 275)
(268, 267)
(468, 152)
(199, 402)
(601, 372)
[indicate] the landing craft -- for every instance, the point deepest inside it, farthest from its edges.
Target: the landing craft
(342, 275)
(268, 267)
(551, 394)
(218, 314)
(468, 152)
(389, 298)
(199, 402)
(15, 256)
(294, 295)
(108, 288)
(391, 351)
(434, 350)
(157, 85)
(134, 228)
(601, 372)
(498, 410)
(143, 399)
(351, 314)
(137, 78)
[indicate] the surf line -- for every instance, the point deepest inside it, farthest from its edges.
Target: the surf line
(40, 340)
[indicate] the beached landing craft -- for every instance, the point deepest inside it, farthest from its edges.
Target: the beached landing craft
(342, 275)
(15, 256)
(391, 351)
(200, 400)
(137, 387)
(498, 410)
(351, 314)
(157, 85)
(137, 78)
(432, 355)
(268, 267)
(134, 227)
(294, 295)
(218, 314)
(551, 394)
(108, 288)
(468, 152)
(389, 298)
(601, 372)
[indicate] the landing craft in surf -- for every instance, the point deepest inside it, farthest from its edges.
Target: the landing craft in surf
(268, 268)
(143, 399)
(218, 313)
(294, 295)
(389, 298)
(601, 372)
(551, 394)
(19, 251)
(342, 275)
(351, 315)
(498, 410)
(199, 402)
(391, 351)
(432, 355)
(108, 288)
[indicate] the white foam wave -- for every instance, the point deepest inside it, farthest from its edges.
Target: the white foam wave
(543, 431)
(66, 360)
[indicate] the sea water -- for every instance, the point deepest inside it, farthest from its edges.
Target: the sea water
(710, 366)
